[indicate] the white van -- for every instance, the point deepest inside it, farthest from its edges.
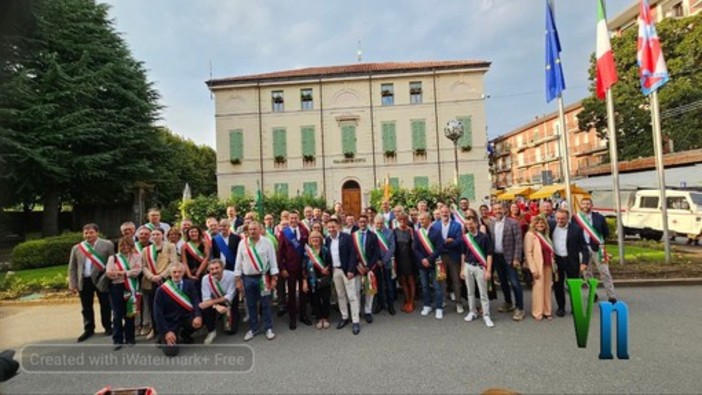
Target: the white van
(643, 216)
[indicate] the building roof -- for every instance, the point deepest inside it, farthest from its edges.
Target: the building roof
(629, 14)
(355, 69)
(538, 121)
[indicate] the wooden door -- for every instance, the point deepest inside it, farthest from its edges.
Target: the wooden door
(351, 198)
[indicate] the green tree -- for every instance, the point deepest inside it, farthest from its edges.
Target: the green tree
(680, 99)
(76, 110)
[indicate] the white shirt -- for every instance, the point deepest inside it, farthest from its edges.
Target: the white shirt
(445, 229)
(296, 231)
(560, 237)
(334, 249)
(227, 283)
(499, 230)
(265, 250)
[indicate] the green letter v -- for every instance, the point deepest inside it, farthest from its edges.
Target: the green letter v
(580, 319)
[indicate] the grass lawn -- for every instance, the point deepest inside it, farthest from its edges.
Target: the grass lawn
(39, 274)
(636, 254)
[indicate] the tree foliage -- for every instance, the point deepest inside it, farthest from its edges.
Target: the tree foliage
(681, 40)
(410, 197)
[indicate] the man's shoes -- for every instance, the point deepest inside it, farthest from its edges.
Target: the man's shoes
(210, 337)
(505, 308)
(459, 308)
(426, 310)
(560, 312)
(292, 325)
(439, 314)
(108, 332)
(305, 320)
(488, 321)
(270, 335)
(342, 324)
(145, 330)
(249, 335)
(117, 347)
(377, 309)
(391, 310)
(470, 317)
(518, 315)
(452, 296)
(369, 318)
(356, 329)
(151, 334)
(85, 336)
(612, 300)
(281, 313)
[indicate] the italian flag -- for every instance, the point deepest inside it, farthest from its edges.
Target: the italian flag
(606, 70)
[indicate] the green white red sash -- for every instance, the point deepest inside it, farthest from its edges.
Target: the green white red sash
(177, 295)
(440, 270)
(131, 285)
(382, 241)
(152, 258)
(584, 223)
(423, 236)
(207, 236)
(215, 287)
(545, 243)
(395, 223)
(271, 236)
(458, 214)
(306, 224)
(92, 255)
(150, 226)
(370, 283)
(255, 259)
(195, 252)
(314, 258)
(360, 248)
(475, 249)
(139, 246)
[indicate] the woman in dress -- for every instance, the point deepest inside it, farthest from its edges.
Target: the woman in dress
(123, 268)
(538, 250)
(194, 255)
(318, 262)
(404, 259)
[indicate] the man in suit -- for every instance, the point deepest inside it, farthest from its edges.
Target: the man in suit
(427, 246)
(595, 232)
(344, 272)
(225, 245)
(386, 283)
(387, 214)
(155, 221)
(177, 311)
(452, 234)
(365, 243)
(350, 226)
(571, 253)
(508, 250)
(86, 267)
(234, 221)
(291, 252)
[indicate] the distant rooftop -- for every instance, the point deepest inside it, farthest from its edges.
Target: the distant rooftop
(355, 69)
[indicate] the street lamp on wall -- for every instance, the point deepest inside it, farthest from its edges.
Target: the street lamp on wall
(454, 131)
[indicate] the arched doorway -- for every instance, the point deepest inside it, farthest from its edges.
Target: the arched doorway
(351, 198)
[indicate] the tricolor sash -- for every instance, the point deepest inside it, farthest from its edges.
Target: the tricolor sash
(207, 236)
(475, 249)
(306, 224)
(131, 285)
(360, 248)
(152, 258)
(215, 287)
(139, 246)
(150, 226)
(545, 243)
(92, 255)
(271, 236)
(314, 258)
(395, 223)
(382, 241)
(195, 252)
(177, 295)
(423, 236)
(440, 270)
(255, 259)
(370, 283)
(458, 215)
(584, 223)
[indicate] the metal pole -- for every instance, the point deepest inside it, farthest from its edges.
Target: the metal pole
(614, 161)
(455, 157)
(658, 152)
(565, 153)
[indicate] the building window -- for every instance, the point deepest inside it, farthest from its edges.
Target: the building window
(281, 189)
(387, 91)
(466, 185)
(280, 145)
(309, 189)
(238, 191)
(421, 182)
(348, 140)
(394, 183)
(415, 92)
(278, 101)
(419, 137)
(236, 146)
(465, 143)
(649, 202)
(308, 144)
(389, 139)
(306, 101)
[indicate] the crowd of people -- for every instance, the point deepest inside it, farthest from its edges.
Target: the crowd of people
(167, 282)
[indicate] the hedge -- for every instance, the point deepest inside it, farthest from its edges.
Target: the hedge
(410, 197)
(50, 251)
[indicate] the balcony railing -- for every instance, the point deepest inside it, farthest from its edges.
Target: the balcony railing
(586, 149)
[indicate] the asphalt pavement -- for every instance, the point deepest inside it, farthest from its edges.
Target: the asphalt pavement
(405, 354)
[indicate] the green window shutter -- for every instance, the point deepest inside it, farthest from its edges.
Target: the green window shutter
(348, 139)
(421, 182)
(309, 189)
(395, 182)
(281, 189)
(238, 191)
(419, 135)
(308, 142)
(466, 141)
(466, 184)
(280, 146)
(389, 137)
(236, 146)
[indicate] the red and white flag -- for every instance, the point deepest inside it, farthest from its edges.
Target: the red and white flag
(649, 55)
(606, 69)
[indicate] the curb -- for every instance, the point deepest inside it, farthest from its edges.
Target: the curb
(657, 282)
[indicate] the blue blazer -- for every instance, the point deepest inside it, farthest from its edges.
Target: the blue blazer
(419, 251)
(347, 253)
(386, 258)
(455, 249)
(168, 314)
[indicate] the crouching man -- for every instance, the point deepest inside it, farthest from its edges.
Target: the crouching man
(219, 298)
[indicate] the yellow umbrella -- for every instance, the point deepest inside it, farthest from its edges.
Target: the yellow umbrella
(512, 193)
(550, 190)
(496, 192)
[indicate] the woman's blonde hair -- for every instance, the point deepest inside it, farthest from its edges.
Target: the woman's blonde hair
(126, 242)
(315, 233)
(535, 221)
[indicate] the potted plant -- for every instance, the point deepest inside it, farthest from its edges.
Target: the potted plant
(348, 155)
(466, 148)
(308, 158)
(420, 151)
(279, 159)
(389, 154)
(236, 161)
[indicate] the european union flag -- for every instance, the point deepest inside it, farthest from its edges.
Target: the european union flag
(555, 83)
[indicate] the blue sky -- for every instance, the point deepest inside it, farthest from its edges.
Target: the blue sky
(177, 39)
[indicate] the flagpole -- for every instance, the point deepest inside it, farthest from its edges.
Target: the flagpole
(614, 161)
(564, 152)
(658, 152)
